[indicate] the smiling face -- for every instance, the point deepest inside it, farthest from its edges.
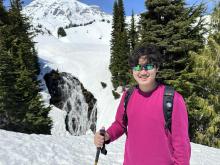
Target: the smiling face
(145, 77)
(145, 61)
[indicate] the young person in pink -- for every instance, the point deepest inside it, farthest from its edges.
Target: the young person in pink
(148, 142)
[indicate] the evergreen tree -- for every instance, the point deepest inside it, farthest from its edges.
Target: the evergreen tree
(201, 82)
(61, 32)
(119, 47)
(215, 19)
(114, 67)
(7, 75)
(21, 38)
(175, 30)
(3, 13)
(204, 102)
(133, 35)
(22, 109)
(31, 115)
(7, 79)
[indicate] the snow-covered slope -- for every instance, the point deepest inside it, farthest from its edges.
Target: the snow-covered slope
(22, 149)
(85, 53)
(52, 14)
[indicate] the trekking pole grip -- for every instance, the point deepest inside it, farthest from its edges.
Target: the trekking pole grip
(99, 149)
(103, 150)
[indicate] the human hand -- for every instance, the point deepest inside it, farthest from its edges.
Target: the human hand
(100, 139)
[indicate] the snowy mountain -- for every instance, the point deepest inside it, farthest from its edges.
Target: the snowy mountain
(84, 52)
(52, 14)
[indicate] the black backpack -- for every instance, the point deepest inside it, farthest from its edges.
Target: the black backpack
(167, 106)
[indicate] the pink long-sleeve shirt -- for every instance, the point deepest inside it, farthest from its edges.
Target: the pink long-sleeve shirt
(148, 142)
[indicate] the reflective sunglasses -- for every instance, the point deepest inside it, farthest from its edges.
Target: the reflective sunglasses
(145, 67)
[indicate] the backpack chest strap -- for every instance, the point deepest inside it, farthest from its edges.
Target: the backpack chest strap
(168, 106)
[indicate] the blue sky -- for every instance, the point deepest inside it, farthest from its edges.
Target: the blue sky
(136, 5)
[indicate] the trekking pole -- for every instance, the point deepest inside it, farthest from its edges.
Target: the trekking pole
(97, 156)
(99, 149)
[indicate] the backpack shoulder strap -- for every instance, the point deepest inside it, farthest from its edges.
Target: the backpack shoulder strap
(125, 117)
(168, 106)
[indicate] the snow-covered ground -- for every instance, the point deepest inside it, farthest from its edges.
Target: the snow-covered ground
(85, 53)
(22, 149)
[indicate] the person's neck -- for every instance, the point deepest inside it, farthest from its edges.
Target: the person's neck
(148, 88)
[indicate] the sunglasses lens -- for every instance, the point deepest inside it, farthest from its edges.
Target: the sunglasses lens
(146, 67)
(149, 67)
(137, 68)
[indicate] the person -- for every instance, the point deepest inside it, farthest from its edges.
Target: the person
(148, 142)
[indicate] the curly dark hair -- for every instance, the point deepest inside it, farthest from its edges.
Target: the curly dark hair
(150, 51)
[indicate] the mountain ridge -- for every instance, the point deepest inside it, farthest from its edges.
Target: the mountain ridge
(52, 14)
